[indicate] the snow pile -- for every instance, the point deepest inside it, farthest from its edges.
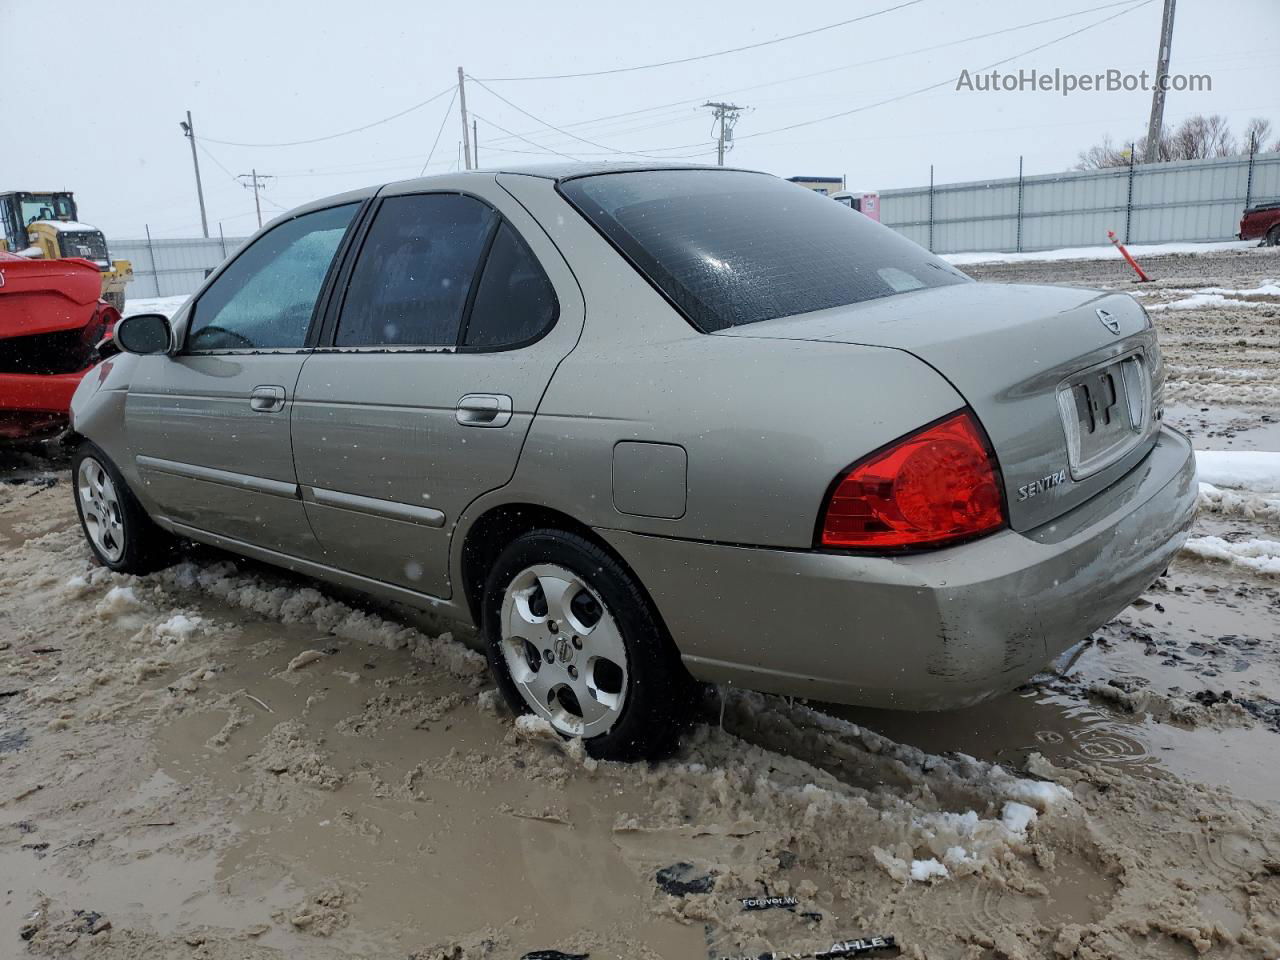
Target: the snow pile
(927, 869)
(118, 602)
(1255, 470)
(293, 604)
(179, 627)
(1251, 506)
(1260, 556)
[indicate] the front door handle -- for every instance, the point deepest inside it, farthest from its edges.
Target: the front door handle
(484, 410)
(267, 399)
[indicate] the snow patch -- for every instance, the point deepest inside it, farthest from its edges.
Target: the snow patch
(1260, 556)
(1101, 252)
(1198, 301)
(923, 870)
(1256, 470)
(178, 627)
(1017, 817)
(117, 602)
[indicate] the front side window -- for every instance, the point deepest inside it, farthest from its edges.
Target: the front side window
(515, 301)
(265, 297)
(729, 248)
(416, 266)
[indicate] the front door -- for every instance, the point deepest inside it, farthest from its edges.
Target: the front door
(210, 425)
(456, 312)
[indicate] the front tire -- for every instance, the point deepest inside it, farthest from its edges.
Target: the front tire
(572, 638)
(1273, 236)
(118, 530)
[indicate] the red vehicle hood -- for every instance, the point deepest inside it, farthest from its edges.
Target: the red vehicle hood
(44, 296)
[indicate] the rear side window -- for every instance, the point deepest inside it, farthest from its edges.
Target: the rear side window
(410, 284)
(729, 248)
(265, 297)
(515, 302)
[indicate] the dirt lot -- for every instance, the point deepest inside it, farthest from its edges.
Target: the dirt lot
(171, 787)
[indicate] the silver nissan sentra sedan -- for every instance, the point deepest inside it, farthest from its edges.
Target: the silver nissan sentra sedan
(650, 426)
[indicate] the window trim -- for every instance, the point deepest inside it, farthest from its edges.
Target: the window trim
(317, 311)
(328, 332)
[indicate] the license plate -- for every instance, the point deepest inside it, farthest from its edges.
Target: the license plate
(1105, 411)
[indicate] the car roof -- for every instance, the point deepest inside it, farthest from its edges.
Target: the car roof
(557, 172)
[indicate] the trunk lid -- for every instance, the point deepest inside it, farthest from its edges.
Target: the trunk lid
(1067, 382)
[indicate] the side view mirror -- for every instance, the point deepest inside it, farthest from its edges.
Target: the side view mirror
(144, 333)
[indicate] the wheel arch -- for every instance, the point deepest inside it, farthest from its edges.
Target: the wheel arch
(494, 529)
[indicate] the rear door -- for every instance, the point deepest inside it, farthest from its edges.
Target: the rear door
(453, 317)
(210, 425)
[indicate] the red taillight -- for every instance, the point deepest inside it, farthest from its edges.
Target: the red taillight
(932, 487)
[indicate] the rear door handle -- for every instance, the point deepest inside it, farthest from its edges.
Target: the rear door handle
(484, 410)
(267, 399)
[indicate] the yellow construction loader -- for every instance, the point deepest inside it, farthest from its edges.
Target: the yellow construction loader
(44, 226)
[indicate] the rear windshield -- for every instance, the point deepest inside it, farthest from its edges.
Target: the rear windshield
(729, 248)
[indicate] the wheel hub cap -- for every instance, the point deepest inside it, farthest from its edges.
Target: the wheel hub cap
(563, 650)
(100, 507)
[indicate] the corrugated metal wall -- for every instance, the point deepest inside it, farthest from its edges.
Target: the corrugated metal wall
(170, 268)
(1186, 200)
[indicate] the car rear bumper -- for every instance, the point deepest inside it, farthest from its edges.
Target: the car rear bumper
(920, 632)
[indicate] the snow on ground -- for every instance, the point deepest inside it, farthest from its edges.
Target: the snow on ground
(1199, 300)
(166, 305)
(1101, 252)
(1256, 470)
(1268, 288)
(1260, 556)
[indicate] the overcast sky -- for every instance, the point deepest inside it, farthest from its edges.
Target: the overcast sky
(93, 95)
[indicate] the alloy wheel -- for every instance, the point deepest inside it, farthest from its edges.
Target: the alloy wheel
(564, 651)
(101, 509)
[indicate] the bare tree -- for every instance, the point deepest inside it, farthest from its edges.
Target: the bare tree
(1104, 154)
(1256, 133)
(1196, 137)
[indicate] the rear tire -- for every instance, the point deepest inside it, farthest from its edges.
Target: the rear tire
(572, 638)
(118, 530)
(1273, 236)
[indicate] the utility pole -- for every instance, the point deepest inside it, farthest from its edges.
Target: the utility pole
(256, 178)
(189, 131)
(466, 129)
(726, 115)
(1157, 95)
(475, 143)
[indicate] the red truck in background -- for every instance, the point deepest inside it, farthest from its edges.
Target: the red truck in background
(51, 321)
(1262, 220)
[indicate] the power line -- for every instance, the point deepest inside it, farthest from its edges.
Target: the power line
(447, 110)
(860, 63)
(926, 89)
(525, 139)
(707, 56)
(574, 136)
(950, 80)
(334, 136)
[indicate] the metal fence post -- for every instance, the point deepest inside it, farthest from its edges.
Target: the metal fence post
(931, 208)
(1248, 184)
(155, 271)
(1128, 204)
(1019, 247)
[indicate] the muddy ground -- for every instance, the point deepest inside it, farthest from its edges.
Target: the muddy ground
(170, 787)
